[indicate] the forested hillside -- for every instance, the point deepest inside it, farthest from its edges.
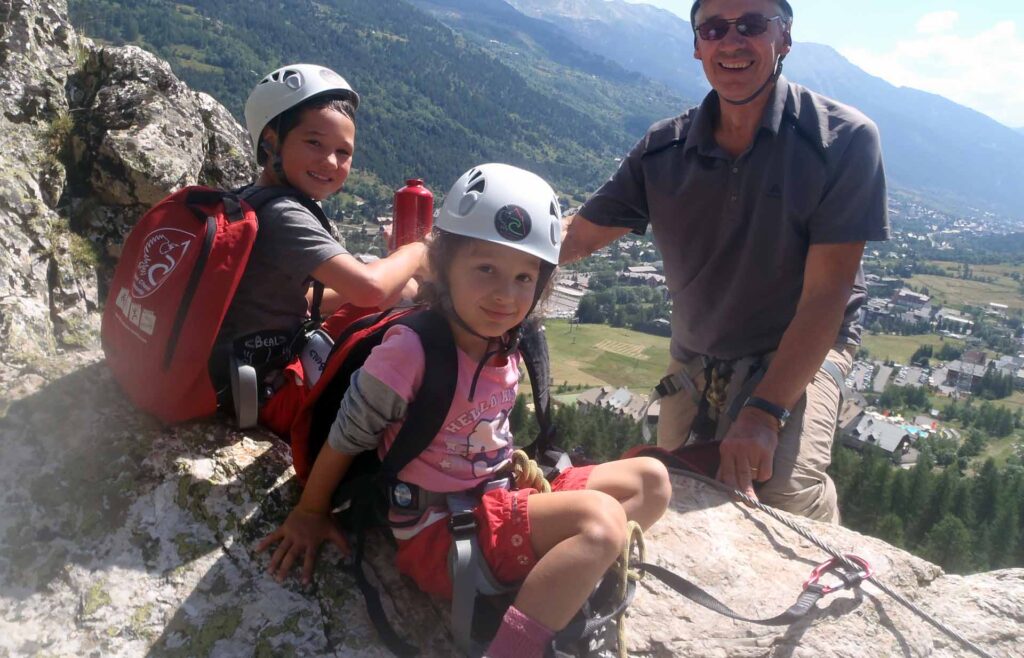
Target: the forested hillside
(434, 103)
(964, 523)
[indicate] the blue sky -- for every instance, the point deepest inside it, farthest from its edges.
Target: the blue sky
(972, 53)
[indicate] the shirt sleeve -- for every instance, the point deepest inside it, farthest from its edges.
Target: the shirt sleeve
(622, 200)
(298, 237)
(380, 392)
(854, 207)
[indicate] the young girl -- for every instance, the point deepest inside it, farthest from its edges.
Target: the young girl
(302, 122)
(493, 253)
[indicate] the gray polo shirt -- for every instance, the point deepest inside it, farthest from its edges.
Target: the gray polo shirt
(734, 232)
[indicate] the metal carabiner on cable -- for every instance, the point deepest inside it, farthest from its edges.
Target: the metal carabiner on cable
(840, 569)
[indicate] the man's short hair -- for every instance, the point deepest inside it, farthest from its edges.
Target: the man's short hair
(784, 5)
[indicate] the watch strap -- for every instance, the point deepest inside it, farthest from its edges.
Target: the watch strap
(780, 414)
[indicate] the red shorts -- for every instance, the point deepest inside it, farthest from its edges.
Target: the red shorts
(503, 525)
(278, 413)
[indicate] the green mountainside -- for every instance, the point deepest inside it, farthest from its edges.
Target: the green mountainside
(434, 102)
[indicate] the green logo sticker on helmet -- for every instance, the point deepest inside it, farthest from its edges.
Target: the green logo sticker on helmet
(512, 223)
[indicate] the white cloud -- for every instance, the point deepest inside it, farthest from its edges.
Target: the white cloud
(982, 71)
(937, 21)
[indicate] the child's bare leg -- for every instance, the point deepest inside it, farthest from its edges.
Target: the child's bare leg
(641, 485)
(578, 535)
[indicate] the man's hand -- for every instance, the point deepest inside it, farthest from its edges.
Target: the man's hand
(748, 450)
(300, 536)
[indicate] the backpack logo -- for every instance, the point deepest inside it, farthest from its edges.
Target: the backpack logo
(162, 250)
(512, 223)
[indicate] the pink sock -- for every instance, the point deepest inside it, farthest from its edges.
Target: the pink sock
(519, 636)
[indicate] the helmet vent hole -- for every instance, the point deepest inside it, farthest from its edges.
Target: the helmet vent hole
(478, 186)
(293, 79)
(467, 202)
(474, 176)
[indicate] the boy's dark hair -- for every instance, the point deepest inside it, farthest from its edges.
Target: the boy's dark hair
(441, 253)
(283, 123)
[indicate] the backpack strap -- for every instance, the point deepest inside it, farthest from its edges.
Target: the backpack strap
(533, 348)
(427, 412)
(264, 195)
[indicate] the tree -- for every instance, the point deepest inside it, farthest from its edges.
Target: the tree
(922, 355)
(890, 529)
(517, 418)
(949, 352)
(589, 312)
(948, 545)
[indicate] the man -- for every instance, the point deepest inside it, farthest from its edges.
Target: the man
(761, 200)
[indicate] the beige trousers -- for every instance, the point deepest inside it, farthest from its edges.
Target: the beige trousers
(799, 483)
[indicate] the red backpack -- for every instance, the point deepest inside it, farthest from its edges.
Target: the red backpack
(177, 275)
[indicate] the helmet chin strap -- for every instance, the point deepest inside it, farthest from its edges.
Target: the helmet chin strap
(771, 78)
(275, 163)
(275, 158)
(507, 343)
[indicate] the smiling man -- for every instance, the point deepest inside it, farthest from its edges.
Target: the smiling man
(760, 200)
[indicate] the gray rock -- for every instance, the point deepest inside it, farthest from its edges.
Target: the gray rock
(90, 137)
(120, 537)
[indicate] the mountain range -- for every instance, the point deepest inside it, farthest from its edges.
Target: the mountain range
(434, 102)
(932, 145)
(561, 86)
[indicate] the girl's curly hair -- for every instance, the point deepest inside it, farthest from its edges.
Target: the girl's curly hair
(442, 252)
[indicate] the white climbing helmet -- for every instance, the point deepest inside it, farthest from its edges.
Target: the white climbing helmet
(506, 205)
(287, 87)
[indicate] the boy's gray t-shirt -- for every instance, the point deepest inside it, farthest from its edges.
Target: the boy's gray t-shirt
(290, 244)
(734, 232)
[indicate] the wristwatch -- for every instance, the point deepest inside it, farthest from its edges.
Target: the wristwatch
(780, 414)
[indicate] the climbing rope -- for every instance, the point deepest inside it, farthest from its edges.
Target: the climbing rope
(635, 551)
(840, 557)
(717, 389)
(527, 474)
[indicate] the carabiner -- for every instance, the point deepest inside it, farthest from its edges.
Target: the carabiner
(838, 568)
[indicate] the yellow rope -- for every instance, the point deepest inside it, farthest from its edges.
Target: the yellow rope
(634, 550)
(717, 389)
(527, 474)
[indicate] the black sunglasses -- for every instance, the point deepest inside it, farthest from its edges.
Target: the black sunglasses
(748, 25)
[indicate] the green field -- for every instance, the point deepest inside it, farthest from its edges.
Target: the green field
(596, 355)
(999, 450)
(1013, 403)
(901, 348)
(958, 292)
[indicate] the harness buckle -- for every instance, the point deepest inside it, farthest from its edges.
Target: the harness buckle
(461, 524)
(667, 386)
(839, 569)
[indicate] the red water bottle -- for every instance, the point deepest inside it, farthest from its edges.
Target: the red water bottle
(414, 213)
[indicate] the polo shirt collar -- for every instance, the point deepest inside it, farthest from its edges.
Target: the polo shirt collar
(701, 134)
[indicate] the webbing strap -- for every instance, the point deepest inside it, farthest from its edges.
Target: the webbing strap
(669, 385)
(804, 603)
(754, 377)
(464, 557)
(470, 573)
(833, 371)
(264, 195)
(374, 607)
